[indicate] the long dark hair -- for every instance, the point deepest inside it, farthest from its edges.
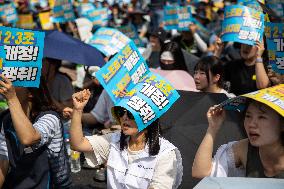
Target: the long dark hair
(152, 138)
(211, 64)
(176, 50)
(41, 99)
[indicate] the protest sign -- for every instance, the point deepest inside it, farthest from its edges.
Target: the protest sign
(277, 6)
(84, 8)
(184, 17)
(62, 11)
(8, 13)
(272, 97)
(41, 3)
(242, 24)
(51, 3)
(148, 95)
(171, 17)
(239, 182)
(86, 1)
(109, 41)
(99, 16)
(45, 21)
(251, 3)
(131, 32)
(202, 30)
(274, 33)
(26, 21)
(21, 54)
(177, 17)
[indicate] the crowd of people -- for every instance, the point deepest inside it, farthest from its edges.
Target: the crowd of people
(33, 153)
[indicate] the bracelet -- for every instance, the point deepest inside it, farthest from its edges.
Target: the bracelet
(259, 60)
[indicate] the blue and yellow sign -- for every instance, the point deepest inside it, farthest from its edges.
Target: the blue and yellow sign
(242, 24)
(8, 13)
(274, 33)
(62, 12)
(21, 53)
(148, 95)
(177, 17)
(109, 41)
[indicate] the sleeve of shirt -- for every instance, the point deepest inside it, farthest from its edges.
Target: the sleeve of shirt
(223, 164)
(48, 126)
(101, 147)
(165, 171)
(200, 43)
(100, 110)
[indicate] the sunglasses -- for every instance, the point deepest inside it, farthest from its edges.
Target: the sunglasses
(119, 112)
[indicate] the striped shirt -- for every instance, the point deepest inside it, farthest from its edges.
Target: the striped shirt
(3, 145)
(49, 127)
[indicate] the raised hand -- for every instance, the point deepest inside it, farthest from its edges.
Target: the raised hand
(260, 49)
(67, 112)
(215, 117)
(80, 99)
(219, 46)
(192, 28)
(6, 88)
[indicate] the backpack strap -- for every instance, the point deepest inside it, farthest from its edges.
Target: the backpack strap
(59, 165)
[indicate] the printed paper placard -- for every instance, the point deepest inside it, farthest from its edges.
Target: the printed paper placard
(98, 16)
(62, 12)
(242, 24)
(251, 3)
(177, 17)
(171, 17)
(149, 99)
(272, 97)
(26, 21)
(123, 71)
(236, 103)
(274, 33)
(109, 41)
(8, 13)
(84, 8)
(277, 6)
(148, 95)
(185, 18)
(131, 32)
(21, 54)
(45, 21)
(86, 1)
(51, 3)
(42, 3)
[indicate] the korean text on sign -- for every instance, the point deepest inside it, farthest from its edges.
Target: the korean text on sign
(242, 24)
(151, 98)
(123, 71)
(274, 33)
(63, 12)
(177, 17)
(108, 40)
(21, 54)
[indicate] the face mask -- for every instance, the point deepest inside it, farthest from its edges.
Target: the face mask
(168, 66)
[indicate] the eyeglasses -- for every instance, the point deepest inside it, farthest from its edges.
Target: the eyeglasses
(119, 112)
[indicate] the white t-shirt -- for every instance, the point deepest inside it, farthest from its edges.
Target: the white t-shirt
(223, 164)
(165, 169)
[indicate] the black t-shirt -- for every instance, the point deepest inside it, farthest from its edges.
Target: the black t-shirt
(241, 77)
